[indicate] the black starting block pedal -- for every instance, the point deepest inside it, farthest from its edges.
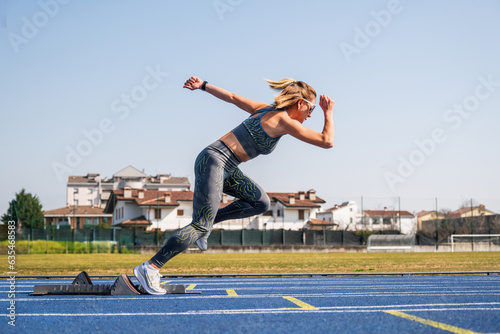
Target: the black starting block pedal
(82, 285)
(180, 289)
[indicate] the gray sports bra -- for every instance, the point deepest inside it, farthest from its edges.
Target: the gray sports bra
(253, 138)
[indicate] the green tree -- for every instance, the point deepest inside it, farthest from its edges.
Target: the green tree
(25, 208)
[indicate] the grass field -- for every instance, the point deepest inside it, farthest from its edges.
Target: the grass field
(258, 263)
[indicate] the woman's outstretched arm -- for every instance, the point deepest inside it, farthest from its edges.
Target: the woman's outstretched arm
(248, 105)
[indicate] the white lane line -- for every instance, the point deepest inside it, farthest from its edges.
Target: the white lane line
(256, 296)
(246, 311)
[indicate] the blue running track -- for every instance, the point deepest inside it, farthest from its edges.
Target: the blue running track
(393, 304)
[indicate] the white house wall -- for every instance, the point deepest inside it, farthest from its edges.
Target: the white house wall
(344, 216)
(83, 195)
(169, 218)
(408, 225)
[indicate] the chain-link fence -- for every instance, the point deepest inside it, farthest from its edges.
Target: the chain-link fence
(431, 233)
(126, 240)
(438, 231)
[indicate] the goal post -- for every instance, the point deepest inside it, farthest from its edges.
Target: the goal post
(391, 242)
(478, 240)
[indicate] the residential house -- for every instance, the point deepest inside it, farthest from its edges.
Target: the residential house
(170, 210)
(289, 211)
(150, 209)
(77, 217)
(473, 211)
(93, 190)
(344, 216)
(428, 215)
(380, 220)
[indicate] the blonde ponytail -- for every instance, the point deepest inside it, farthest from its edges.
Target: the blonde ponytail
(291, 92)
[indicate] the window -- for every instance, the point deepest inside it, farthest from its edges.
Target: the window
(89, 202)
(278, 214)
(90, 190)
(76, 202)
(301, 214)
(376, 221)
(91, 221)
(157, 213)
(63, 221)
(180, 212)
(75, 190)
(268, 213)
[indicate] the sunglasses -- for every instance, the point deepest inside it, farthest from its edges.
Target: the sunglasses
(312, 105)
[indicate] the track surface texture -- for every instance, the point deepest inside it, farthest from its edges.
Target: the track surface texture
(397, 304)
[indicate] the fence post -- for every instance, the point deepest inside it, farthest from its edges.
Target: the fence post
(324, 237)
(437, 235)
(47, 246)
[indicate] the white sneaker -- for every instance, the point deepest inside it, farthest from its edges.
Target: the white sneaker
(202, 242)
(149, 279)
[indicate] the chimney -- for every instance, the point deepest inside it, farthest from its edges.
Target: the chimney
(127, 192)
(312, 194)
(291, 199)
(168, 197)
(385, 208)
(141, 194)
(302, 195)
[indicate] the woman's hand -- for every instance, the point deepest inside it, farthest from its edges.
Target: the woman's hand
(193, 83)
(326, 103)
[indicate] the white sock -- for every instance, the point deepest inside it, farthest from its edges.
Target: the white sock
(150, 267)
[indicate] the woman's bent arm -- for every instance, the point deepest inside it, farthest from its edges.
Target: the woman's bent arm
(323, 139)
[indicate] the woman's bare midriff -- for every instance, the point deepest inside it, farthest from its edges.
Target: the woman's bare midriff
(232, 142)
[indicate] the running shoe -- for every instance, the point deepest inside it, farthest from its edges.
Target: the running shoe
(202, 242)
(149, 279)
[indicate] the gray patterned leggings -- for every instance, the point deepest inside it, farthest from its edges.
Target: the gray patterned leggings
(216, 171)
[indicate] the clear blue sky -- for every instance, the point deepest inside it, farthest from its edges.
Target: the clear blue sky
(416, 86)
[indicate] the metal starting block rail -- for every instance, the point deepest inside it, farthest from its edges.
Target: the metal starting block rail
(82, 285)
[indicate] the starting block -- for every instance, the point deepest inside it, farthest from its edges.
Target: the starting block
(82, 285)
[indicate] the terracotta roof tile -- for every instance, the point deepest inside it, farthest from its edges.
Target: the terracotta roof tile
(306, 202)
(155, 197)
(387, 213)
(140, 221)
(78, 210)
(320, 222)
